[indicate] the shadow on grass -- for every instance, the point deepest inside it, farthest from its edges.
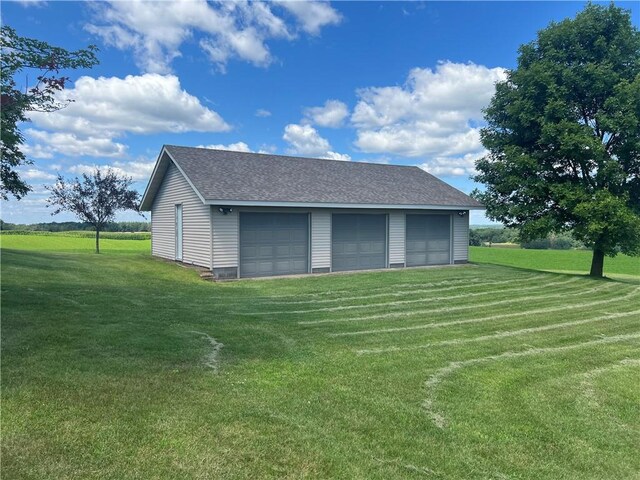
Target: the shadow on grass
(618, 277)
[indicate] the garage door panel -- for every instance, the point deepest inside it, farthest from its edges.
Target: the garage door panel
(250, 235)
(414, 259)
(250, 268)
(378, 247)
(428, 239)
(299, 250)
(248, 252)
(282, 266)
(346, 263)
(265, 268)
(299, 265)
(437, 258)
(273, 243)
(299, 235)
(282, 235)
(265, 251)
(263, 236)
(350, 248)
(358, 241)
(440, 245)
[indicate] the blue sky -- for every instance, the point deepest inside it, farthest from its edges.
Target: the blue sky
(392, 82)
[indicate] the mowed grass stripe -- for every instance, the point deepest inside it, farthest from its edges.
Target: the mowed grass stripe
(274, 282)
(435, 379)
(504, 334)
(489, 318)
(447, 309)
(391, 289)
(414, 300)
(426, 288)
(478, 329)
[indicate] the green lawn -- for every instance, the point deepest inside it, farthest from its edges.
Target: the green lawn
(567, 261)
(112, 369)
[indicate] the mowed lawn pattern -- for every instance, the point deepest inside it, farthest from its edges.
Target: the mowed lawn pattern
(122, 366)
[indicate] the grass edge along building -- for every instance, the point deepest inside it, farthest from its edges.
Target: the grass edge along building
(248, 215)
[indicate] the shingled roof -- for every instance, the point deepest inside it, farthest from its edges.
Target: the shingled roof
(240, 178)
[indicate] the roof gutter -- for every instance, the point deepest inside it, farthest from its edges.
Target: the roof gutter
(253, 203)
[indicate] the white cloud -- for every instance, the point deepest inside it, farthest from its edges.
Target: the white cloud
(35, 174)
(261, 112)
(147, 103)
(75, 146)
(305, 140)
(36, 151)
(452, 166)
(156, 30)
(234, 147)
(336, 156)
(106, 108)
(32, 3)
(435, 115)
(312, 16)
(331, 114)
(139, 170)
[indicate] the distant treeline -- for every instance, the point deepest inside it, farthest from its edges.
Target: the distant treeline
(478, 236)
(487, 236)
(82, 234)
(76, 226)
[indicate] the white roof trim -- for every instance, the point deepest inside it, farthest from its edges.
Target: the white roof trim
(250, 203)
(155, 171)
(153, 174)
(187, 179)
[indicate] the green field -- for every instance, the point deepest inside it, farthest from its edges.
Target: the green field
(120, 366)
(566, 261)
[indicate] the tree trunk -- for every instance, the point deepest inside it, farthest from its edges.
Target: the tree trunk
(97, 241)
(597, 263)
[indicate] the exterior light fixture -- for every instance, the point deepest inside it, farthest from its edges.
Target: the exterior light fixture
(225, 210)
(462, 213)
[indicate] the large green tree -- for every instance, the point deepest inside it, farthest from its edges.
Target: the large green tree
(563, 136)
(21, 56)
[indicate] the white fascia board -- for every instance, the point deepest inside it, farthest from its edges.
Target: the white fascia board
(249, 203)
(153, 176)
(187, 179)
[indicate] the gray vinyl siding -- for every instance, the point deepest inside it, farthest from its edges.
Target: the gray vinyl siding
(321, 239)
(461, 237)
(225, 238)
(396, 237)
(196, 239)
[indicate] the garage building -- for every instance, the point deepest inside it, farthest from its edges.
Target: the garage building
(251, 215)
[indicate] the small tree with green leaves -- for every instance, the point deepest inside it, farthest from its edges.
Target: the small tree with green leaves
(563, 136)
(20, 54)
(94, 199)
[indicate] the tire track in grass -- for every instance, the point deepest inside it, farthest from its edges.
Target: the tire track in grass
(434, 381)
(586, 385)
(486, 319)
(395, 293)
(211, 359)
(414, 300)
(383, 316)
(507, 334)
